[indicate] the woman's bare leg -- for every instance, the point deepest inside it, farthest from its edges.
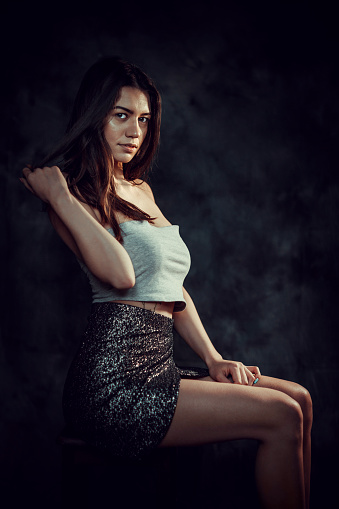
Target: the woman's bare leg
(302, 396)
(212, 411)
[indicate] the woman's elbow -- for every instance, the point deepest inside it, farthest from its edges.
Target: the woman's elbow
(122, 281)
(121, 278)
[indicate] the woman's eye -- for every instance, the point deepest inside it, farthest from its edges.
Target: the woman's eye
(143, 120)
(121, 115)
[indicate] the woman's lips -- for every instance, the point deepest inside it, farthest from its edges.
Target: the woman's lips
(128, 148)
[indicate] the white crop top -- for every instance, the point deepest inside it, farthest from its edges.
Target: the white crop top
(161, 262)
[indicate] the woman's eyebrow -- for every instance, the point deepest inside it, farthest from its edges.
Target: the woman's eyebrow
(129, 111)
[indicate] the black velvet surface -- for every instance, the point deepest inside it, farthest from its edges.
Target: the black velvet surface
(248, 166)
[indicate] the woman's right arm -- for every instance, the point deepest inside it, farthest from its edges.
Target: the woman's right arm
(78, 226)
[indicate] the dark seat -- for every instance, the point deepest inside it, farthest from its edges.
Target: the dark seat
(90, 476)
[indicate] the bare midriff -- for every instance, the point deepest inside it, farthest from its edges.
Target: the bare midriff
(163, 308)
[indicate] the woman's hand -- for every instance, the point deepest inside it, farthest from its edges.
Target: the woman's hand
(46, 183)
(232, 371)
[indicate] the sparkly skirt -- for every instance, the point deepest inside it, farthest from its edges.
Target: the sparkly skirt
(122, 387)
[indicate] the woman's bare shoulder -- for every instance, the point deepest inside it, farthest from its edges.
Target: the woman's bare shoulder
(144, 186)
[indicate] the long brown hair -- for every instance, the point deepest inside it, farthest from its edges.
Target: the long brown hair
(86, 156)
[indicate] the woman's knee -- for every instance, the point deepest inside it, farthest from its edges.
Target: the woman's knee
(304, 399)
(305, 402)
(288, 418)
(296, 392)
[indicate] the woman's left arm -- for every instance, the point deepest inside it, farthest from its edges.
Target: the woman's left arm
(188, 324)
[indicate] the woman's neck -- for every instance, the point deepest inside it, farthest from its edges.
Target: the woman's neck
(118, 172)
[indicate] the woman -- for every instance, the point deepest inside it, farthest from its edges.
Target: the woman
(123, 391)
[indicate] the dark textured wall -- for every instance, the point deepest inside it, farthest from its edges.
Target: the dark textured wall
(248, 167)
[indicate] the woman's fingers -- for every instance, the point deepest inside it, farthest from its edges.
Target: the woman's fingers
(250, 376)
(26, 171)
(234, 372)
(255, 370)
(238, 374)
(27, 186)
(46, 183)
(244, 375)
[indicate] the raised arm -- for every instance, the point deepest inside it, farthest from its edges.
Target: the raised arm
(78, 226)
(188, 324)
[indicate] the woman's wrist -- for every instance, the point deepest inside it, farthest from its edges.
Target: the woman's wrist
(211, 359)
(61, 199)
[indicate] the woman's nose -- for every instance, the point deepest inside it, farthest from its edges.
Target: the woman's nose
(133, 129)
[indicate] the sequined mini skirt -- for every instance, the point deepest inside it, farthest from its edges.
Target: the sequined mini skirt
(122, 387)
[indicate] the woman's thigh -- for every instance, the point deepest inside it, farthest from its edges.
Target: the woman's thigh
(292, 389)
(209, 411)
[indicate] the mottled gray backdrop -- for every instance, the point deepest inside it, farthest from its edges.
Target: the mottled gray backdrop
(248, 166)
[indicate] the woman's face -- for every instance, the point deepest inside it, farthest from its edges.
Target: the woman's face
(127, 125)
